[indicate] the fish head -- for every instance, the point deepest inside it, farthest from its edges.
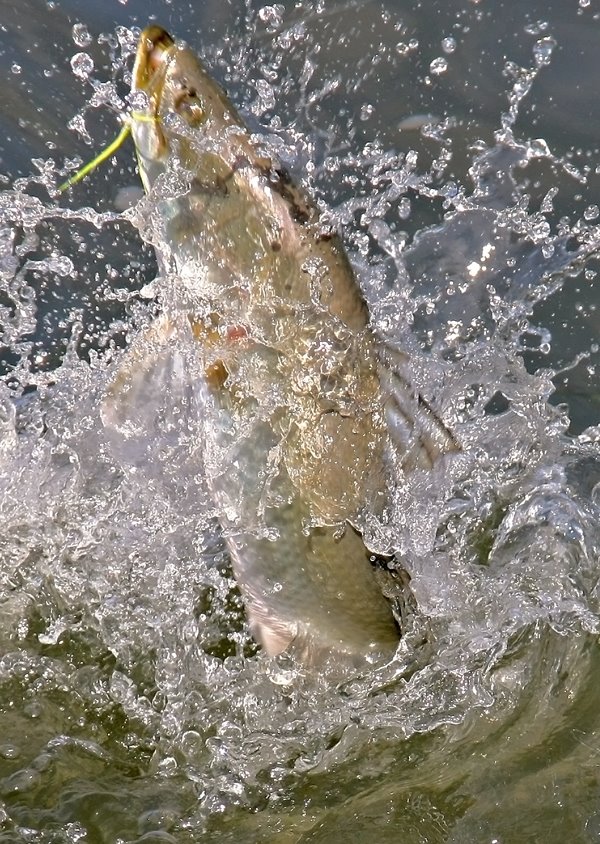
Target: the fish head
(183, 110)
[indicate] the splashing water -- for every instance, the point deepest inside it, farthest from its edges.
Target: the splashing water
(135, 706)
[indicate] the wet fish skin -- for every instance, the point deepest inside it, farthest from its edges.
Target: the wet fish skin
(295, 435)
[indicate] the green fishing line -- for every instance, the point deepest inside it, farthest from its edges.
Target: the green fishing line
(106, 153)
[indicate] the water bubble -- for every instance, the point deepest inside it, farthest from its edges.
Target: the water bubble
(191, 743)
(591, 212)
(438, 66)
(449, 44)
(15, 68)
(592, 825)
(20, 782)
(82, 65)
(9, 751)
(585, 4)
(81, 35)
(366, 111)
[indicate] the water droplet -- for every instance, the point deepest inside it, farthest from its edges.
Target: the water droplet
(81, 35)
(542, 50)
(548, 250)
(265, 95)
(538, 148)
(450, 190)
(82, 65)
(547, 204)
(536, 28)
(438, 66)
(404, 208)
(61, 265)
(168, 765)
(272, 15)
(138, 100)
(77, 124)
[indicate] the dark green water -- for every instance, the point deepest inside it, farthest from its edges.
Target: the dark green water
(133, 705)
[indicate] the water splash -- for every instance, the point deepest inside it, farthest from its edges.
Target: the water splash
(127, 674)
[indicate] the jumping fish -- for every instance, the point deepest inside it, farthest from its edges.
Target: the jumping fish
(295, 408)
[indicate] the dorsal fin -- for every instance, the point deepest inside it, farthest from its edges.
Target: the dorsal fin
(416, 429)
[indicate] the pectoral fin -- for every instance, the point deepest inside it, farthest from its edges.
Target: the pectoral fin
(147, 403)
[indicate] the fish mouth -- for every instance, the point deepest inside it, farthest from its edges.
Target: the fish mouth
(155, 52)
(154, 48)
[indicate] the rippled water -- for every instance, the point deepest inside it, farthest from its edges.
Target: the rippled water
(458, 150)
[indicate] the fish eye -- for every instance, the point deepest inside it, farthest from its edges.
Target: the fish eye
(193, 111)
(187, 103)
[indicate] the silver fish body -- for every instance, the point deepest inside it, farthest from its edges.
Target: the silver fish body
(293, 415)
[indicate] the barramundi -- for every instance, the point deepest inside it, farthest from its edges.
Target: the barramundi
(294, 395)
